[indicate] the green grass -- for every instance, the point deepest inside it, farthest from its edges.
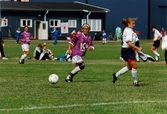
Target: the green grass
(24, 89)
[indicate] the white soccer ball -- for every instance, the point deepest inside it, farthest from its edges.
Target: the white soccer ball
(53, 78)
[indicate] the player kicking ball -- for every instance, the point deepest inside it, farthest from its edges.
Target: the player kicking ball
(77, 48)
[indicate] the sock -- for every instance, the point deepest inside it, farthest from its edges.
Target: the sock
(75, 71)
(122, 71)
(156, 58)
(156, 53)
(137, 57)
(134, 74)
(23, 57)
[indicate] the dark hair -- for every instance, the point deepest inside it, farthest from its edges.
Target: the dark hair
(128, 20)
(39, 45)
(25, 26)
(152, 27)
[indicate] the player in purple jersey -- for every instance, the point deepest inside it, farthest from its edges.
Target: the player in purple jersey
(77, 48)
(25, 38)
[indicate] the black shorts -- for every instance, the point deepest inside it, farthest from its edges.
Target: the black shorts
(128, 54)
(137, 44)
(156, 43)
(37, 55)
(46, 56)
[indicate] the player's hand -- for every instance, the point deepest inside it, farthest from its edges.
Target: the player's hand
(69, 52)
(23, 40)
(140, 49)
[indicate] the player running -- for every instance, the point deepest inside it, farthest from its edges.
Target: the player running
(127, 52)
(156, 44)
(77, 48)
(25, 42)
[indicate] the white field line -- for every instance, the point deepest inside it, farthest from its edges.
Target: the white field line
(80, 105)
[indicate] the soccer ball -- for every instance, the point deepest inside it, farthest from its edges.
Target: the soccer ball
(53, 78)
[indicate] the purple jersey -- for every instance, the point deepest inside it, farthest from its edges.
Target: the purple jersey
(80, 44)
(25, 36)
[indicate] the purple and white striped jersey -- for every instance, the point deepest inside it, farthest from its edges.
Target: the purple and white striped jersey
(80, 44)
(25, 36)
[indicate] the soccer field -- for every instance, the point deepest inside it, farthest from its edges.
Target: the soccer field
(25, 89)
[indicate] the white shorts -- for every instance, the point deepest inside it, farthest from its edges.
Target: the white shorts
(77, 59)
(104, 39)
(25, 47)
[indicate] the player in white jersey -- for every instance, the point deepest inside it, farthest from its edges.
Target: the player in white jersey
(164, 46)
(156, 44)
(127, 52)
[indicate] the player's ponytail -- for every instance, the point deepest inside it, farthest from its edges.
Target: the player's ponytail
(128, 20)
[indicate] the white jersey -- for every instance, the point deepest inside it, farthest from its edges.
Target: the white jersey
(137, 39)
(164, 42)
(156, 34)
(128, 35)
(36, 50)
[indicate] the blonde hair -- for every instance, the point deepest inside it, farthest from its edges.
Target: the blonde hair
(128, 20)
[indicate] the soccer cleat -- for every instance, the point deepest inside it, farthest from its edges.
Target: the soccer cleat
(22, 61)
(135, 84)
(150, 58)
(157, 58)
(4, 58)
(70, 78)
(114, 78)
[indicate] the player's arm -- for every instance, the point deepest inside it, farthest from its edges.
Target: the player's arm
(69, 48)
(22, 39)
(71, 43)
(133, 46)
(91, 47)
(160, 36)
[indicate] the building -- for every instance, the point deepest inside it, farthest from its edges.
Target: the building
(148, 12)
(42, 17)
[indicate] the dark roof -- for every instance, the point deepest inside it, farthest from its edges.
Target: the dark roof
(51, 6)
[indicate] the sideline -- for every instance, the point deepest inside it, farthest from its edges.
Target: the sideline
(80, 105)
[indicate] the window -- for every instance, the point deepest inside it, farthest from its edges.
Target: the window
(44, 26)
(72, 23)
(95, 24)
(26, 22)
(83, 21)
(54, 22)
(21, 0)
(4, 22)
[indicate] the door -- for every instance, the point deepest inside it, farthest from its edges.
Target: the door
(43, 30)
(36, 28)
